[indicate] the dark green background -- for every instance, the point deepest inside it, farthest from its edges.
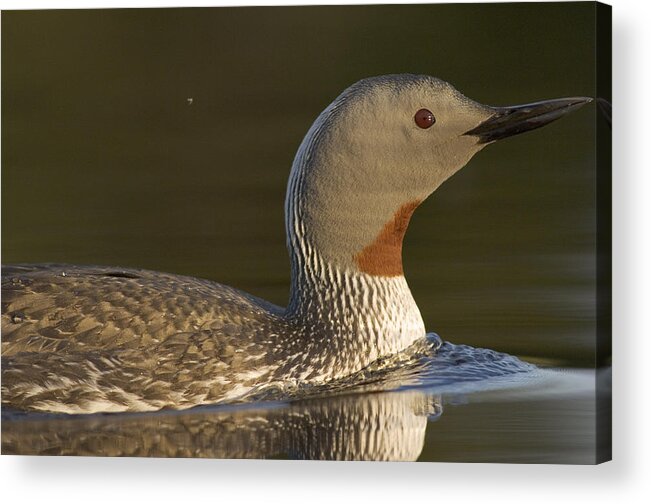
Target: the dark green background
(104, 161)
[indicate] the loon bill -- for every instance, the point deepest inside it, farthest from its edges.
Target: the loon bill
(82, 339)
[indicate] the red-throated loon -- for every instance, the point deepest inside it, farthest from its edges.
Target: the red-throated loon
(80, 339)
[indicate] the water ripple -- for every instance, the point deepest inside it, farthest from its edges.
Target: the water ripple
(431, 364)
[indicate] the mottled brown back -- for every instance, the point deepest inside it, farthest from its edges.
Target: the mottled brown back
(76, 334)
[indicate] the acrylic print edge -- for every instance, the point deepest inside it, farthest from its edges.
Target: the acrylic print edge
(603, 63)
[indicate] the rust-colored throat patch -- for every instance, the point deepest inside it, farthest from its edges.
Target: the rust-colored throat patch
(383, 257)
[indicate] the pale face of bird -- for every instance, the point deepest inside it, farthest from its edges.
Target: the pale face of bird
(382, 147)
(395, 136)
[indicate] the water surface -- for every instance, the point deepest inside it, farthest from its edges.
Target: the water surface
(457, 404)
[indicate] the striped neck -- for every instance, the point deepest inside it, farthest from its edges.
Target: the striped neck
(357, 311)
(362, 315)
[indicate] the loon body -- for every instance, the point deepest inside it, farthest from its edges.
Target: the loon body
(82, 339)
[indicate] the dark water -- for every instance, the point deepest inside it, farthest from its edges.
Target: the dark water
(106, 160)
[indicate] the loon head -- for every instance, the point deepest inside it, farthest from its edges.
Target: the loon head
(382, 147)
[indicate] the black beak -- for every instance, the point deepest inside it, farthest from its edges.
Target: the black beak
(509, 121)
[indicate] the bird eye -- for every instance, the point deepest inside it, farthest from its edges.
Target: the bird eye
(424, 118)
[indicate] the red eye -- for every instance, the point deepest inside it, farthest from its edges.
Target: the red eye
(424, 118)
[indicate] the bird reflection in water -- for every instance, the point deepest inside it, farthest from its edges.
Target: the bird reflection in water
(377, 414)
(384, 426)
